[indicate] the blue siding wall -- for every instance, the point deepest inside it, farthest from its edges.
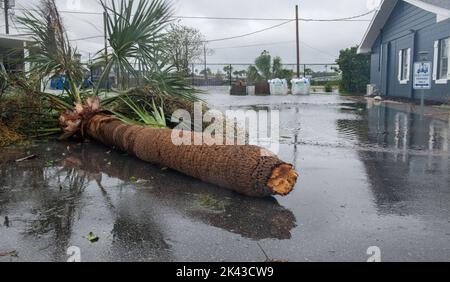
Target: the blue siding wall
(407, 27)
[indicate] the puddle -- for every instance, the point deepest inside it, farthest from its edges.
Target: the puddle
(369, 175)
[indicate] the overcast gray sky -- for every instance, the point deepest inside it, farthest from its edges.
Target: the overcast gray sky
(321, 41)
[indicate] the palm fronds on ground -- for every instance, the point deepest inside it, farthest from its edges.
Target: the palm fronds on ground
(135, 34)
(51, 55)
(4, 80)
(142, 116)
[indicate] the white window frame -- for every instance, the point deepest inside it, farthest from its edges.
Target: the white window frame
(400, 66)
(436, 62)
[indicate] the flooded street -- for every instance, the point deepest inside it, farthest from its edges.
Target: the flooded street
(369, 176)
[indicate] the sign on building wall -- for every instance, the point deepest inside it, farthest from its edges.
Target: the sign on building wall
(422, 75)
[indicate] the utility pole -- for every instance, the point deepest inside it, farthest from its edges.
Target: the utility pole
(229, 75)
(105, 22)
(105, 29)
(186, 56)
(6, 16)
(298, 41)
(90, 69)
(204, 58)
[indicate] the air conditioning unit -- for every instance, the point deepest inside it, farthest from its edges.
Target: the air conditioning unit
(371, 89)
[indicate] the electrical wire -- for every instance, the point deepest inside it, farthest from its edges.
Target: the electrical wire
(248, 34)
(86, 38)
(351, 18)
(276, 43)
(253, 45)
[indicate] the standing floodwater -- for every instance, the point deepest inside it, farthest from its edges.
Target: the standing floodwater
(369, 176)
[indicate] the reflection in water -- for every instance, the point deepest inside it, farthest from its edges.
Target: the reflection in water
(410, 175)
(42, 200)
(59, 197)
(251, 218)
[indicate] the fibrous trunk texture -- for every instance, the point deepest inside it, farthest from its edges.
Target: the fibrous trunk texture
(240, 168)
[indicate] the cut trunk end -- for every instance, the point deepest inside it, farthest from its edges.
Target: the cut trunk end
(283, 179)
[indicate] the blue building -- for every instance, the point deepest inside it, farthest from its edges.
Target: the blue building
(403, 32)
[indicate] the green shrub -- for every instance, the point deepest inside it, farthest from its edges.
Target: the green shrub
(355, 71)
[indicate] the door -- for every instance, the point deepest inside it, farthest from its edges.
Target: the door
(385, 49)
(392, 69)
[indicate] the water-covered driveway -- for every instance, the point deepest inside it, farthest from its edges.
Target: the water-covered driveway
(369, 176)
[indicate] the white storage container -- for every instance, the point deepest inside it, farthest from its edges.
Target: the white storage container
(276, 86)
(300, 86)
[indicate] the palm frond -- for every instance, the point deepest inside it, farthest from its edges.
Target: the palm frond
(156, 118)
(51, 54)
(135, 33)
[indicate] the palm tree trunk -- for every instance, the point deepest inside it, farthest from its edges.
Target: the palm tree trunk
(240, 168)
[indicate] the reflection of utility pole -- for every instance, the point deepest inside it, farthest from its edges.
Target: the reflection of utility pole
(6, 7)
(298, 41)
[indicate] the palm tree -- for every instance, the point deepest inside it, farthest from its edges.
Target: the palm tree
(137, 37)
(51, 55)
(135, 34)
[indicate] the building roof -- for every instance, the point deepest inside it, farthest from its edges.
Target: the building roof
(439, 7)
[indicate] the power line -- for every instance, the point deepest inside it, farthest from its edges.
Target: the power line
(276, 43)
(253, 45)
(338, 19)
(248, 34)
(85, 38)
(318, 50)
(351, 18)
(62, 11)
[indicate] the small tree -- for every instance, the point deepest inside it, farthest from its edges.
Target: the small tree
(266, 69)
(208, 72)
(219, 74)
(184, 45)
(228, 70)
(355, 70)
(240, 73)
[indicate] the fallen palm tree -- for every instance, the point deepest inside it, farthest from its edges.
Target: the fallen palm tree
(246, 169)
(263, 219)
(136, 34)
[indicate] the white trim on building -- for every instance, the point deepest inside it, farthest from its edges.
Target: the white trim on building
(383, 13)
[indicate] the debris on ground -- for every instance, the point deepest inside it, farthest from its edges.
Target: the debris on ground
(30, 157)
(209, 202)
(92, 237)
(9, 136)
(9, 254)
(268, 259)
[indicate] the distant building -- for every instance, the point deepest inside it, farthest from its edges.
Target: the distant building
(401, 32)
(12, 52)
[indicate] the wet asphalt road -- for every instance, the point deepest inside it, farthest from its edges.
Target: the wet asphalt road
(369, 176)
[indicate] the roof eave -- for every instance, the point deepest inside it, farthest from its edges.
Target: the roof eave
(377, 23)
(441, 13)
(382, 15)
